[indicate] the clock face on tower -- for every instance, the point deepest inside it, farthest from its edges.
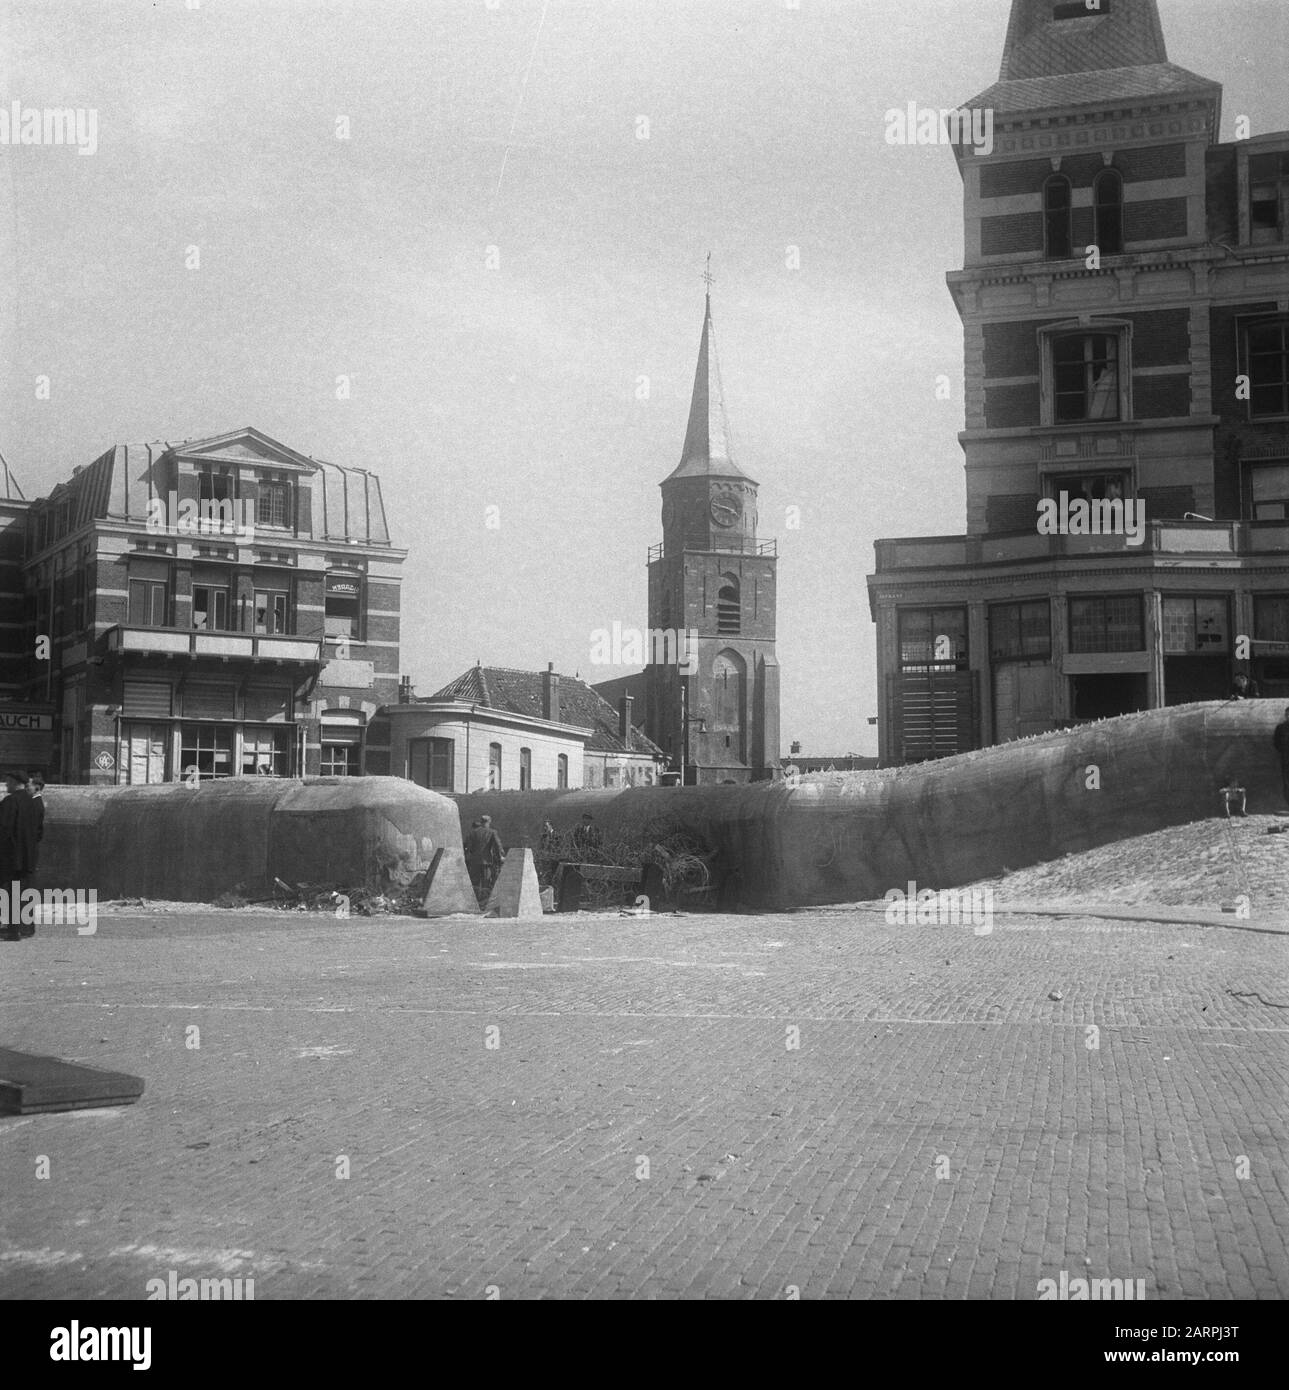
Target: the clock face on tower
(726, 508)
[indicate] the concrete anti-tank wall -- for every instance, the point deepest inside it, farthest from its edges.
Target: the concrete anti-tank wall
(940, 824)
(191, 844)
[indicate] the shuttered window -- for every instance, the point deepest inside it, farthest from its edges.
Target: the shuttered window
(148, 699)
(268, 703)
(209, 700)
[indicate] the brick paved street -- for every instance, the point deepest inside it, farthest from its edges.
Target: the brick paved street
(943, 1130)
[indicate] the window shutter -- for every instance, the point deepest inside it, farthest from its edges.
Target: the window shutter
(209, 700)
(148, 700)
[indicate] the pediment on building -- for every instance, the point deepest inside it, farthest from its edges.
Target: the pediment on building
(247, 445)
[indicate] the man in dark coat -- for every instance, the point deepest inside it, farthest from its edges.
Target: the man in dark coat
(483, 855)
(36, 785)
(588, 840)
(1280, 740)
(18, 838)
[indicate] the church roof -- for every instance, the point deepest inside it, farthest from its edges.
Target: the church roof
(707, 451)
(1038, 44)
(520, 692)
(1056, 54)
(1091, 89)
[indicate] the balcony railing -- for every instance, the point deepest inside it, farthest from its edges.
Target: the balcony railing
(186, 641)
(1172, 538)
(738, 545)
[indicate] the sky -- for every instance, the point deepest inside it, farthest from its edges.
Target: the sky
(492, 217)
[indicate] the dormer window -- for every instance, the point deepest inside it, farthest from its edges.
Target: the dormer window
(1057, 236)
(272, 507)
(1268, 197)
(215, 486)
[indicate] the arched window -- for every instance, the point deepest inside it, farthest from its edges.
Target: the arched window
(1057, 235)
(728, 606)
(525, 769)
(494, 767)
(561, 771)
(727, 723)
(1107, 196)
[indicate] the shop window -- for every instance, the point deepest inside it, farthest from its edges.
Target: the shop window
(1196, 626)
(1109, 623)
(339, 760)
(933, 639)
(1020, 631)
(207, 750)
(266, 752)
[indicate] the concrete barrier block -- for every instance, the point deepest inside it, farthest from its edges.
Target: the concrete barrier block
(516, 892)
(448, 889)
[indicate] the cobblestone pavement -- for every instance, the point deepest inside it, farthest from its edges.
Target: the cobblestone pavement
(613, 1107)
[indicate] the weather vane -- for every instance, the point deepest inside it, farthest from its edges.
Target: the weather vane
(708, 278)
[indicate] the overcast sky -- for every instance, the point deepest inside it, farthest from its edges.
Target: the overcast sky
(518, 127)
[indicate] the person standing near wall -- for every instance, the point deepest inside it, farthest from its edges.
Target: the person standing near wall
(18, 838)
(1280, 741)
(483, 856)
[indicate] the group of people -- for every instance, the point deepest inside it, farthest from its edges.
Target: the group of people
(484, 852)
(22, 827)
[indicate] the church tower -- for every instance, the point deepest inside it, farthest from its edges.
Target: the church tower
(717, 713)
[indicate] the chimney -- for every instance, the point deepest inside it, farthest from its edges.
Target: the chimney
(624, 719)
(550, 693)
(796, 748)
(405, 690)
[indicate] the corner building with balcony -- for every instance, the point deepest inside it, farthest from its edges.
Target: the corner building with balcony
(226, 606)
(1125, 308)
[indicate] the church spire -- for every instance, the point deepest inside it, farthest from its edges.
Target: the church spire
(707, 443)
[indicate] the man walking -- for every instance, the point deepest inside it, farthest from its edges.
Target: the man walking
(483, 856)
(18, 838)
(1280, 741)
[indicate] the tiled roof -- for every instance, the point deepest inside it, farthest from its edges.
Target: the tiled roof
(1126, 34)
(1110, 85)
(520, 692)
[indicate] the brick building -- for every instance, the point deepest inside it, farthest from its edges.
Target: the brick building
(1125, 309)
(223, 605)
